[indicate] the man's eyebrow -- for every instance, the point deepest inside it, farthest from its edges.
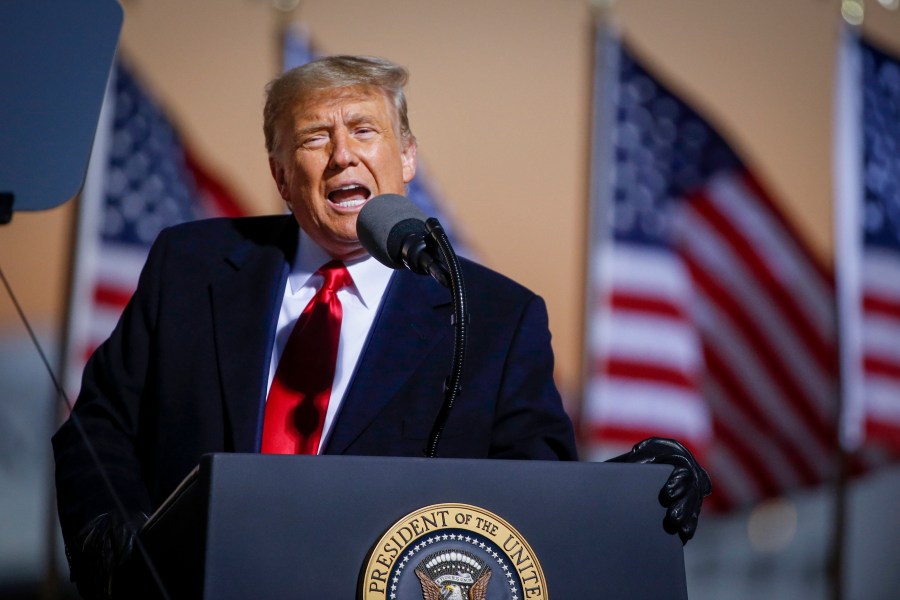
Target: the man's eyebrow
(311, 128)
(362, 117)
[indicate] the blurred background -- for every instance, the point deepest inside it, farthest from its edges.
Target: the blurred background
(521, 134)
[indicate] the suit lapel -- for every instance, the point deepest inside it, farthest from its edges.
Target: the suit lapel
(245, 303)
(403, 333)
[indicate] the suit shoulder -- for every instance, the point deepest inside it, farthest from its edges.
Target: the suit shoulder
(207, 241)
(225, 228)
(481, 278)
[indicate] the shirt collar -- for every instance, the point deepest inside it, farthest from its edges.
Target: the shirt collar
(370, 277)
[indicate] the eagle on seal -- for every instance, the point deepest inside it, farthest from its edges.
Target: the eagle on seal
(451, 591)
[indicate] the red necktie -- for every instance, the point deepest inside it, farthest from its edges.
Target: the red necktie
(301, 389)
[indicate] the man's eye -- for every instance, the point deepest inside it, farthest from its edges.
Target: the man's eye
(364, 132)
(314, 141)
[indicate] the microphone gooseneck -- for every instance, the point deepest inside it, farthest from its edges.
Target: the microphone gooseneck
(460, 329)
(399, 235)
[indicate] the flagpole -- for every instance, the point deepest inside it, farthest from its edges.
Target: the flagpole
(847, 194)
(598, 159)
(588, 235)
(837, 554)
(285, 14)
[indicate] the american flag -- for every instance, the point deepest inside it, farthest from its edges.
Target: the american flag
(709, 319)
(141, 178)
(867, 180)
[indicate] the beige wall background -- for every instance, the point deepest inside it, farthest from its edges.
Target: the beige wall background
(499, 101)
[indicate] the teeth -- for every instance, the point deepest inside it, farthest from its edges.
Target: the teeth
(351, 203)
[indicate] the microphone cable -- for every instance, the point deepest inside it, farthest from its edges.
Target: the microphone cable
(460, 329)
(64, 398)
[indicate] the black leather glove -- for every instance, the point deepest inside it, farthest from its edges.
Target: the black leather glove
(683, 493)
(104, 546)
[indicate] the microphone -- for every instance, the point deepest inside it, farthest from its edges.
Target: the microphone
(395, 232)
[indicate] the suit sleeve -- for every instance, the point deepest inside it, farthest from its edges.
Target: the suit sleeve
(104, 424)
(530, 422)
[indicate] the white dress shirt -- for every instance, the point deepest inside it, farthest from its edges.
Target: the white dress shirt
(360, 303)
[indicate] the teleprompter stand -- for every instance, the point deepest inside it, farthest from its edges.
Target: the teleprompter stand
(263, 526)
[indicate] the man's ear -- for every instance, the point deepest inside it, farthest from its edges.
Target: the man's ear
(279, 176)
(408, 160)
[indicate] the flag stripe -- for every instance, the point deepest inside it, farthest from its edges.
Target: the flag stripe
(734, 402)
(718, 273)
(768, 392)
(111, 296)
(876, 366)
(781, 301)
(649, 371)
(622, 437)
(766, 357)
(667, 342)
(880, 305)
(622, 300)
(670, 411)
(886, 432)
(744, 453)
(818, 279)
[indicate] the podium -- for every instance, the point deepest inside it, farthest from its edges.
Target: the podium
(266, 526)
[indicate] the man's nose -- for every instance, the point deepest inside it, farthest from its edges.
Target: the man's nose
(343, 153)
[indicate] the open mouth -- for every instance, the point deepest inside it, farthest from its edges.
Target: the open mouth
(349, 196)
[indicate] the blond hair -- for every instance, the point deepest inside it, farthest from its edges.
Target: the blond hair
(335, 72)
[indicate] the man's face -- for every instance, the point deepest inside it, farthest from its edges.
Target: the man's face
(336, 149)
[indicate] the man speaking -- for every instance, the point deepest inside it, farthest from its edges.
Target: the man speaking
(281, 334)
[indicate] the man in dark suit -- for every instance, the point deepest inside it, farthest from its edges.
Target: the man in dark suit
(189, 367)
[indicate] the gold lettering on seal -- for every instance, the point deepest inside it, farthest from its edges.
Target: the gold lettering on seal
(398, 541)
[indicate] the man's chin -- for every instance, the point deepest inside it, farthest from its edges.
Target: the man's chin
(354, 255)
(344, 249)
(341, 243)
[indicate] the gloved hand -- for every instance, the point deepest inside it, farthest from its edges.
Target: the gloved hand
(104, 545)
(683, 493)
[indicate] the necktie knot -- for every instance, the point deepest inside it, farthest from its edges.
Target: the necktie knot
(336, 276)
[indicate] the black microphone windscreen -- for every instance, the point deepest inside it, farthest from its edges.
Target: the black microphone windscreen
(383, 224)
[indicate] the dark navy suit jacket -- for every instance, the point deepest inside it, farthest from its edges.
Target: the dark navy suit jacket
(185, 371)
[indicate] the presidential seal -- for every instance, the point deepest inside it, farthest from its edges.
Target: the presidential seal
(452, 552)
